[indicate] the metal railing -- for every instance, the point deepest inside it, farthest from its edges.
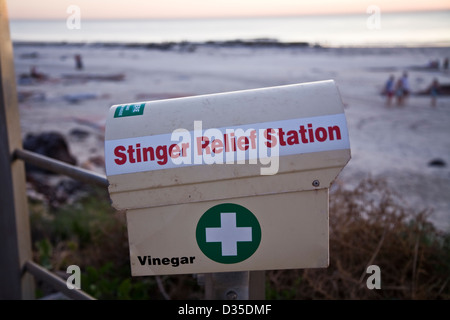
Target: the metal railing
(55, 282)
(60, 167)
(74, 172)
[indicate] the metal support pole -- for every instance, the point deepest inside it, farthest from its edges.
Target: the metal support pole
(15, 236)
(245, 285)
(257, 285)
(227, 285)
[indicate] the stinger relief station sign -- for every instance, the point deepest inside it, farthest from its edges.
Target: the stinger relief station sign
(232, 181)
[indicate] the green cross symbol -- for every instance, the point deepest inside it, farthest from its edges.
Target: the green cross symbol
(228, 233)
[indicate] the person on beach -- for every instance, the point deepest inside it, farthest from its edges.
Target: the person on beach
(399, 93)
(389, 89)
(405, 87)
(434, 91)
(78, 62)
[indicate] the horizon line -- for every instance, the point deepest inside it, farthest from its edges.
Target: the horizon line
(237, 17)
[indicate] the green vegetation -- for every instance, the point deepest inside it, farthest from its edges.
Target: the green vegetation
(92, 235)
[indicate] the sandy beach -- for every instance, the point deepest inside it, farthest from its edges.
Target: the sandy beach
(407, 145)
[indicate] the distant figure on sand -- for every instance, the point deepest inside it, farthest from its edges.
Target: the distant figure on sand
(37, 75)
(78, 62)
(405, 86)
(389, 89)
(399, 93)
(434, 91)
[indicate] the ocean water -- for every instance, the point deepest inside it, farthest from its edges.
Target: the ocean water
(386, 29)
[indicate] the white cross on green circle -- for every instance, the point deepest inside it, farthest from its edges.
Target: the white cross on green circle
(228, 233)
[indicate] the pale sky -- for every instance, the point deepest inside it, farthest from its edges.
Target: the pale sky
(126, 9)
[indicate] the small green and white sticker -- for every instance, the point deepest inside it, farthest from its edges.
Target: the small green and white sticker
(129, 110)
(228, 233)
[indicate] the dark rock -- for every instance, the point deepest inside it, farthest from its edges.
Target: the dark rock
(438, 163)
(50, 144)
(55, 190)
